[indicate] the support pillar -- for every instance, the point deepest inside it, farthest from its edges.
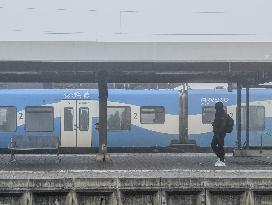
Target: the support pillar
(118, 192)
(247, 117)
(183, 142)
(201, 198)
(183, 137)
(248, 198)
(163, 197)
(71, 198)
(27, 198)
(103, 97)
(238, 115)
(208, 198)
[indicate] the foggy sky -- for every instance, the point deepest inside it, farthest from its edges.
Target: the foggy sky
(136, 20)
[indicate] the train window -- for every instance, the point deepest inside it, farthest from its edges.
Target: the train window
(152, 114)
(83, 119)
(119, 118)
(39, 119)
(68, 118)
(256, 118)
(8, 117)
(208, 114)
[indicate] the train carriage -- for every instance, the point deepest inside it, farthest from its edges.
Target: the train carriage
(136, 118)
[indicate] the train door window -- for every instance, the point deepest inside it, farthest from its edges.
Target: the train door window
(83, 119)
(39, 119)
(68, 118)
(208, 114)
(152, 114)
(119, 118)
(256, 118)
(8, 116)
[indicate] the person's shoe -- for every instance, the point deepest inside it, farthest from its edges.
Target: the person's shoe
(12, 160)
(216, 163)
(220, 164)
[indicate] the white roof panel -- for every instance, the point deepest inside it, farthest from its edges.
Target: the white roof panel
(134, 51)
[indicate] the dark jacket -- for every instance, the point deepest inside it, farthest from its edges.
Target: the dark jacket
(220, 121)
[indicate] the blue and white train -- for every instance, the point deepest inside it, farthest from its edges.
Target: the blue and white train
(136, 118)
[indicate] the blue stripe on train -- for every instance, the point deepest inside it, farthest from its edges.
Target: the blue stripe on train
(204, 139)
(136, 137)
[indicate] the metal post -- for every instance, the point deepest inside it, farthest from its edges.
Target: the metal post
(247, 117)
(238, 115)
(103, 96)
(184, 115)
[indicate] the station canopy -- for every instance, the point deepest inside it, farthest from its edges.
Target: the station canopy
(136, 41)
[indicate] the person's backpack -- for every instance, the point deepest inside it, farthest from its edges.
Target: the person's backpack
(229, 124)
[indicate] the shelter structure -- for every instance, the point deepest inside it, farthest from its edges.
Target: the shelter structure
(246, 64)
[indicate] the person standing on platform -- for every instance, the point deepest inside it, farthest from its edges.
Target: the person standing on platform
(219, 129)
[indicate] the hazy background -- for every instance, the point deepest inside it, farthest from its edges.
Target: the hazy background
(136, 20)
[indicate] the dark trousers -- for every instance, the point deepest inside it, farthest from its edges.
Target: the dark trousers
(217, 145)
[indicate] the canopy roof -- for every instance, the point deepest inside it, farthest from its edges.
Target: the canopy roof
(62, 61)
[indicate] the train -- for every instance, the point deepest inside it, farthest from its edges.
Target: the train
(136, 118)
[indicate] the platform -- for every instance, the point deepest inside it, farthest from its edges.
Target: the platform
(135, 179)
(135, 161)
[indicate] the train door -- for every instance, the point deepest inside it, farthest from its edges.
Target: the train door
(76, 123)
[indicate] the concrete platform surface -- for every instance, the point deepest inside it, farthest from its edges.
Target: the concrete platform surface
(135, 179)
(134, 165)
